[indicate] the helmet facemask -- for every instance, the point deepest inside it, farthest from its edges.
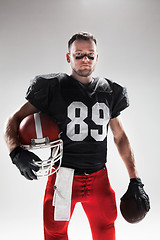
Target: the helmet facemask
(49, 151)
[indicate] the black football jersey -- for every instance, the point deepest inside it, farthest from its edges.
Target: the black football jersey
(82, 113)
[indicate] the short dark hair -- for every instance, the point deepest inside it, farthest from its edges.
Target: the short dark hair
(81, 36)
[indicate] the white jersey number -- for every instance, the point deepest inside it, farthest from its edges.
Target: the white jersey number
(77, 129)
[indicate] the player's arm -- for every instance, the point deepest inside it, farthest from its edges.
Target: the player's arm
(23, 159)
(11, 130)
(135, 188)
(123, 145)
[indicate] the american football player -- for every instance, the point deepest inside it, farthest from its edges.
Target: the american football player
(83, 107)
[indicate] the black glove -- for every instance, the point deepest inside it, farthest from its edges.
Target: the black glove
(135, 189)
(23, 159)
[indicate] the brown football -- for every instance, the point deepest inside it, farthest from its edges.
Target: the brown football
(130, 211)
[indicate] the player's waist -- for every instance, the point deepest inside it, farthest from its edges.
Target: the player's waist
(78, 171)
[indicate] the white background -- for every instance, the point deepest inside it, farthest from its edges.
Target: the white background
(33, 40)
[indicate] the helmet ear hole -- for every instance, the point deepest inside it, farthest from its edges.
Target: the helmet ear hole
(130, 211)
(37, 132)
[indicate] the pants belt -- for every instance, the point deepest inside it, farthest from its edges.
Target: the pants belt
(86, 172)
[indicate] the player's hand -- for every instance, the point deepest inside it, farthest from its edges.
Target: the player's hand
(135, 189)
(23, 159)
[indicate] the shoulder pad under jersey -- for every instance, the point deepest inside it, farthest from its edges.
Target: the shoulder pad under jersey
(103, 84)
(49, 76)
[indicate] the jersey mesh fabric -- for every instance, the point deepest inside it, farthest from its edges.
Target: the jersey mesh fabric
(82, 113)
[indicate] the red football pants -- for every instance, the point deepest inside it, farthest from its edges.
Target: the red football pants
(97, 199)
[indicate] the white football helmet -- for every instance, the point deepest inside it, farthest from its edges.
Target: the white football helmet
(39, 131)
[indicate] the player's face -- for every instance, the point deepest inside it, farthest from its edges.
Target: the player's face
(83, 57)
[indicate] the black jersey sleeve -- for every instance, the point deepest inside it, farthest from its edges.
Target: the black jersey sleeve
(40, 91)
(120, 99)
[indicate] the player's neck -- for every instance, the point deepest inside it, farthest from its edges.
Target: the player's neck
(83, 80)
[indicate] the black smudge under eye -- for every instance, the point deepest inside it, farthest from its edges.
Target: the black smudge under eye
(85, 55)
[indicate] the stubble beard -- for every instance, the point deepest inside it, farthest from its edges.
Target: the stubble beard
(83, 73)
